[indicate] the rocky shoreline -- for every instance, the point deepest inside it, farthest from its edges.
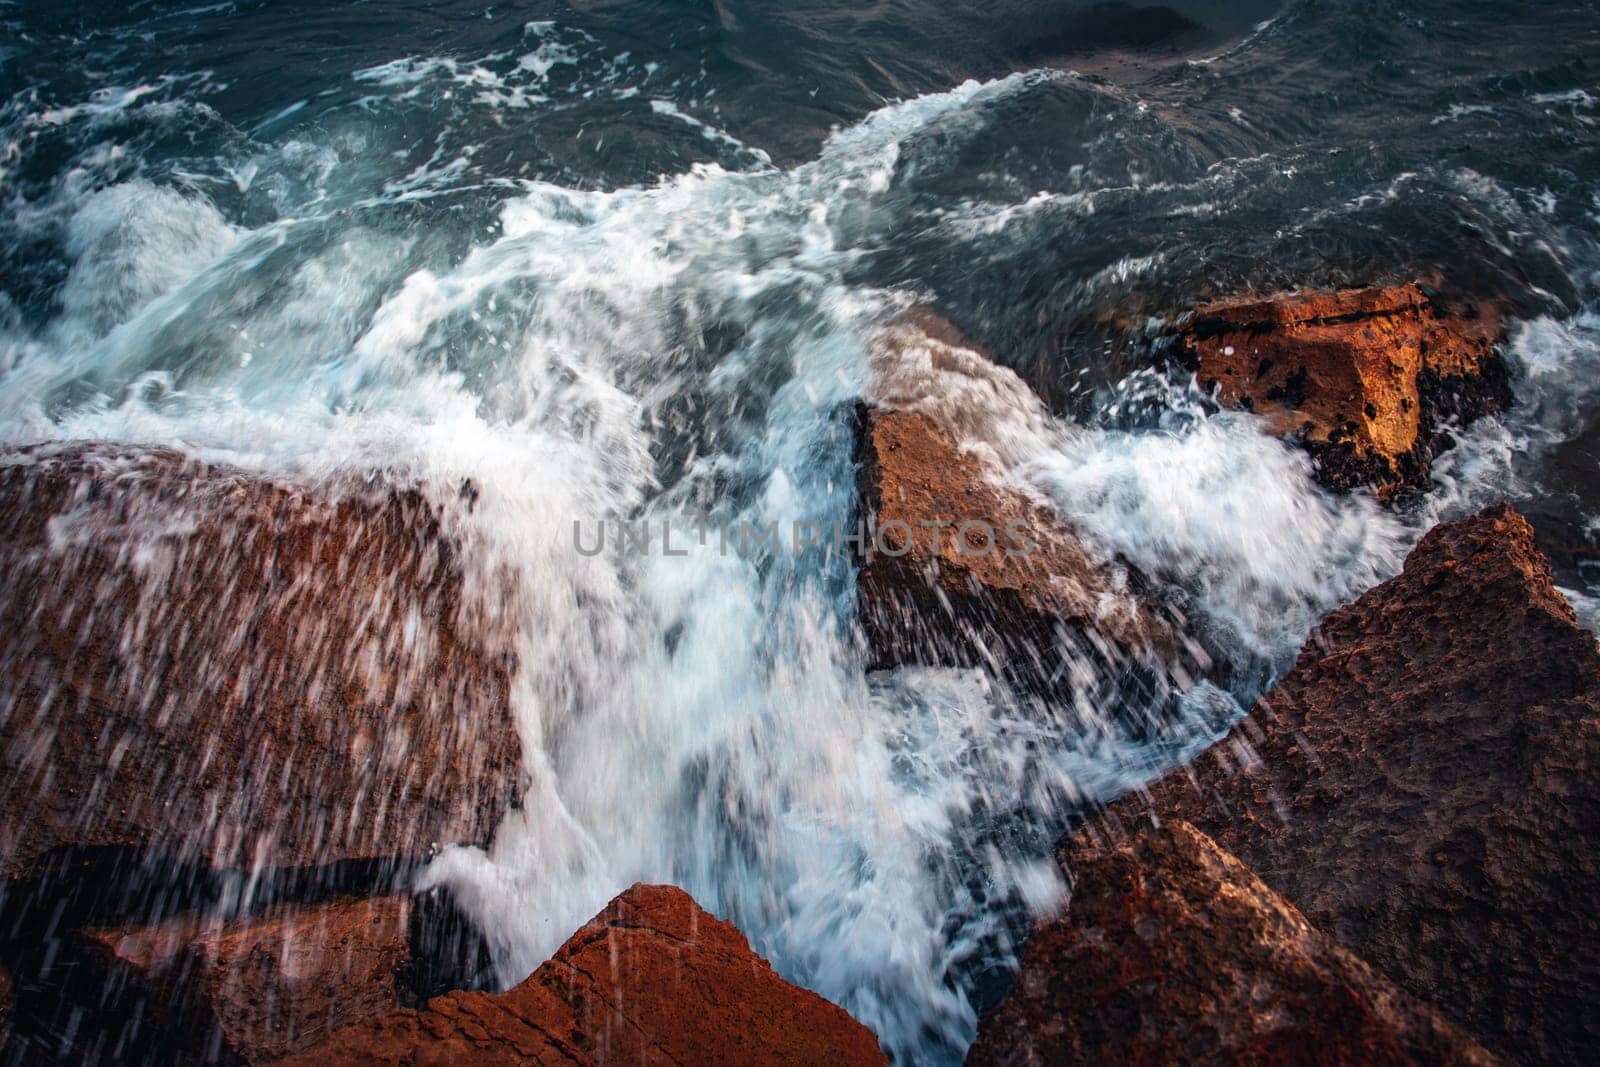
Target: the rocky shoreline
(205, 856)
(1420, 792)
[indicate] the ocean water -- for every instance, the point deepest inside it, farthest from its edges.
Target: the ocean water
(627, 258)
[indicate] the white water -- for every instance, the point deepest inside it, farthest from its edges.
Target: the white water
(695, 346)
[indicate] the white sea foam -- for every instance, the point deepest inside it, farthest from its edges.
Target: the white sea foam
(693, 345)
(1222, 510)
(130, 244)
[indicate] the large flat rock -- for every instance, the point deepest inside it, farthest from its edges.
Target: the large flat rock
(255, 988)
(1172, 952)
(652, 979)
(1425, 786)
(1366, 379)
(208, 665)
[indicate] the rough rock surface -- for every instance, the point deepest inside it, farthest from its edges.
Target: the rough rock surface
(928, 595)
(1425, 787)
(957, 567)
(651, 979)
(1365, 378)
(262, 987)
(1172, 952)
(207, 664)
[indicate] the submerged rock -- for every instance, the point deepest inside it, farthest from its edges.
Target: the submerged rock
(651, 978)
(206, 665)
(1425, 787)
(1172, 952)
(257, 988)
(958, 567)
(1365, 379)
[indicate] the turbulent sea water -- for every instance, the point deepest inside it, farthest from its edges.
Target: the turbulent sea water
(625, 257)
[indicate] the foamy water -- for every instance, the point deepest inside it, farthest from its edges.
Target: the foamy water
(689, 346)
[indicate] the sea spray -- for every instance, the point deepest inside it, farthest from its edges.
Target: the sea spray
(433, 268)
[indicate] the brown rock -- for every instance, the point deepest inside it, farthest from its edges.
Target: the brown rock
(236, 672)
(1172, 952)
(1425, 786)
(928, 595)
(1364, 378)
(261, 987)
(651, 979)
(958, 568)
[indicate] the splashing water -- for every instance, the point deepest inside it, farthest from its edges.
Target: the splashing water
(688, 347)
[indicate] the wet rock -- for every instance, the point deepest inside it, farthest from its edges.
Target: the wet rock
(651, 978)
(1015, 579)
(7, 1003)
(956, 566)
(1172, 952)
(1425, 787)
(1366, 379)
(257, 988)
(231, 672)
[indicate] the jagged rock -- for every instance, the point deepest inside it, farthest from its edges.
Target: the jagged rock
(229, 671)
(652, 978)
(1425, 787)
(1365, 379)
(929, 595)
(1172, 952)
(256, 988)
(956, 567)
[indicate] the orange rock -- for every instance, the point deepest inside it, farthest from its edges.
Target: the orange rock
(1423, 787)
(651, 979)
(238, 673)
(957, 567)
(1172, 952)
(930, 595)
(264, 986)
(1364, 378)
